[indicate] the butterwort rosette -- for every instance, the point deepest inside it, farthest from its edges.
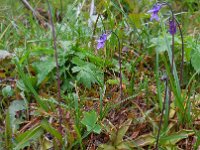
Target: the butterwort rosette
(154, 12)
(101, 41)
(172, 27)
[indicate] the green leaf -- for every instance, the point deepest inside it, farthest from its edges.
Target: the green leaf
(106, 147)
(88, 73)
(8, 132)
(27, 137)
(160, 43)
(7, 91)
(136, 18)
(15, 106)
(28, 84)
(176, 137)
(143, 140)
(43, 68)
(90, 120)
(195, 58)
(122, 131)
(51, 130)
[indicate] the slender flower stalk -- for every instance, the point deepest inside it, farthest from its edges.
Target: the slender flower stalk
(120, 66)
(163, 109)
(100, 44)
(57, 66)
(172, 30)
(182, 49)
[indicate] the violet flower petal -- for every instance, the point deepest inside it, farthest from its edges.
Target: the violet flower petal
(172, 27)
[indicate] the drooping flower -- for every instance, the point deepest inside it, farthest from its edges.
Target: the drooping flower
(154, 12)
(101, 41)
(172, 27)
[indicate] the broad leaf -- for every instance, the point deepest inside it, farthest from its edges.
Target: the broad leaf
(122, 131)
(43, 68)
(176, 137)
(15, 106)
(7, 91)
(195, 58)
(90, 121)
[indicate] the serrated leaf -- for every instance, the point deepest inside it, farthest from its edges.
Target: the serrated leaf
(88, 73)
(90, 121)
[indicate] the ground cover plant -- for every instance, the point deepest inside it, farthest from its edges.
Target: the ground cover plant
(99, 74)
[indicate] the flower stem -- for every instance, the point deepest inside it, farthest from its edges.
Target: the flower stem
(57, 65)
(162, 113)
(120, 66)
(182, 55)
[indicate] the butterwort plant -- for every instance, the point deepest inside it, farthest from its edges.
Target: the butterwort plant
(101, 43)
(172, 30)
(173, 23)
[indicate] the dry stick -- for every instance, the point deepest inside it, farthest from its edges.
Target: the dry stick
(35, 13)
(162, 113)
(57, 65)
(182, 55)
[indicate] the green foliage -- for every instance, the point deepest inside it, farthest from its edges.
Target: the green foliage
(51, 130)
(160, 43)
(28, 84)
(8, 132)
(25, 139)
(90, 78)
(195, 58)
(7, 91)
(87, 73)
(116, 137)
(43, 68)
(90, 121)
(16, 106)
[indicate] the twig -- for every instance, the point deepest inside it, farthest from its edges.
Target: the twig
(57, 65)
(36, 14)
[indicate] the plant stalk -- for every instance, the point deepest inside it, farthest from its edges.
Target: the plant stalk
(162, 113)
(182, 50)
(120, 66)
(57, 65)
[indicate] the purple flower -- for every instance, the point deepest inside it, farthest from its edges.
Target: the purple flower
(154, 12)
(172, 27)
(101, 41)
